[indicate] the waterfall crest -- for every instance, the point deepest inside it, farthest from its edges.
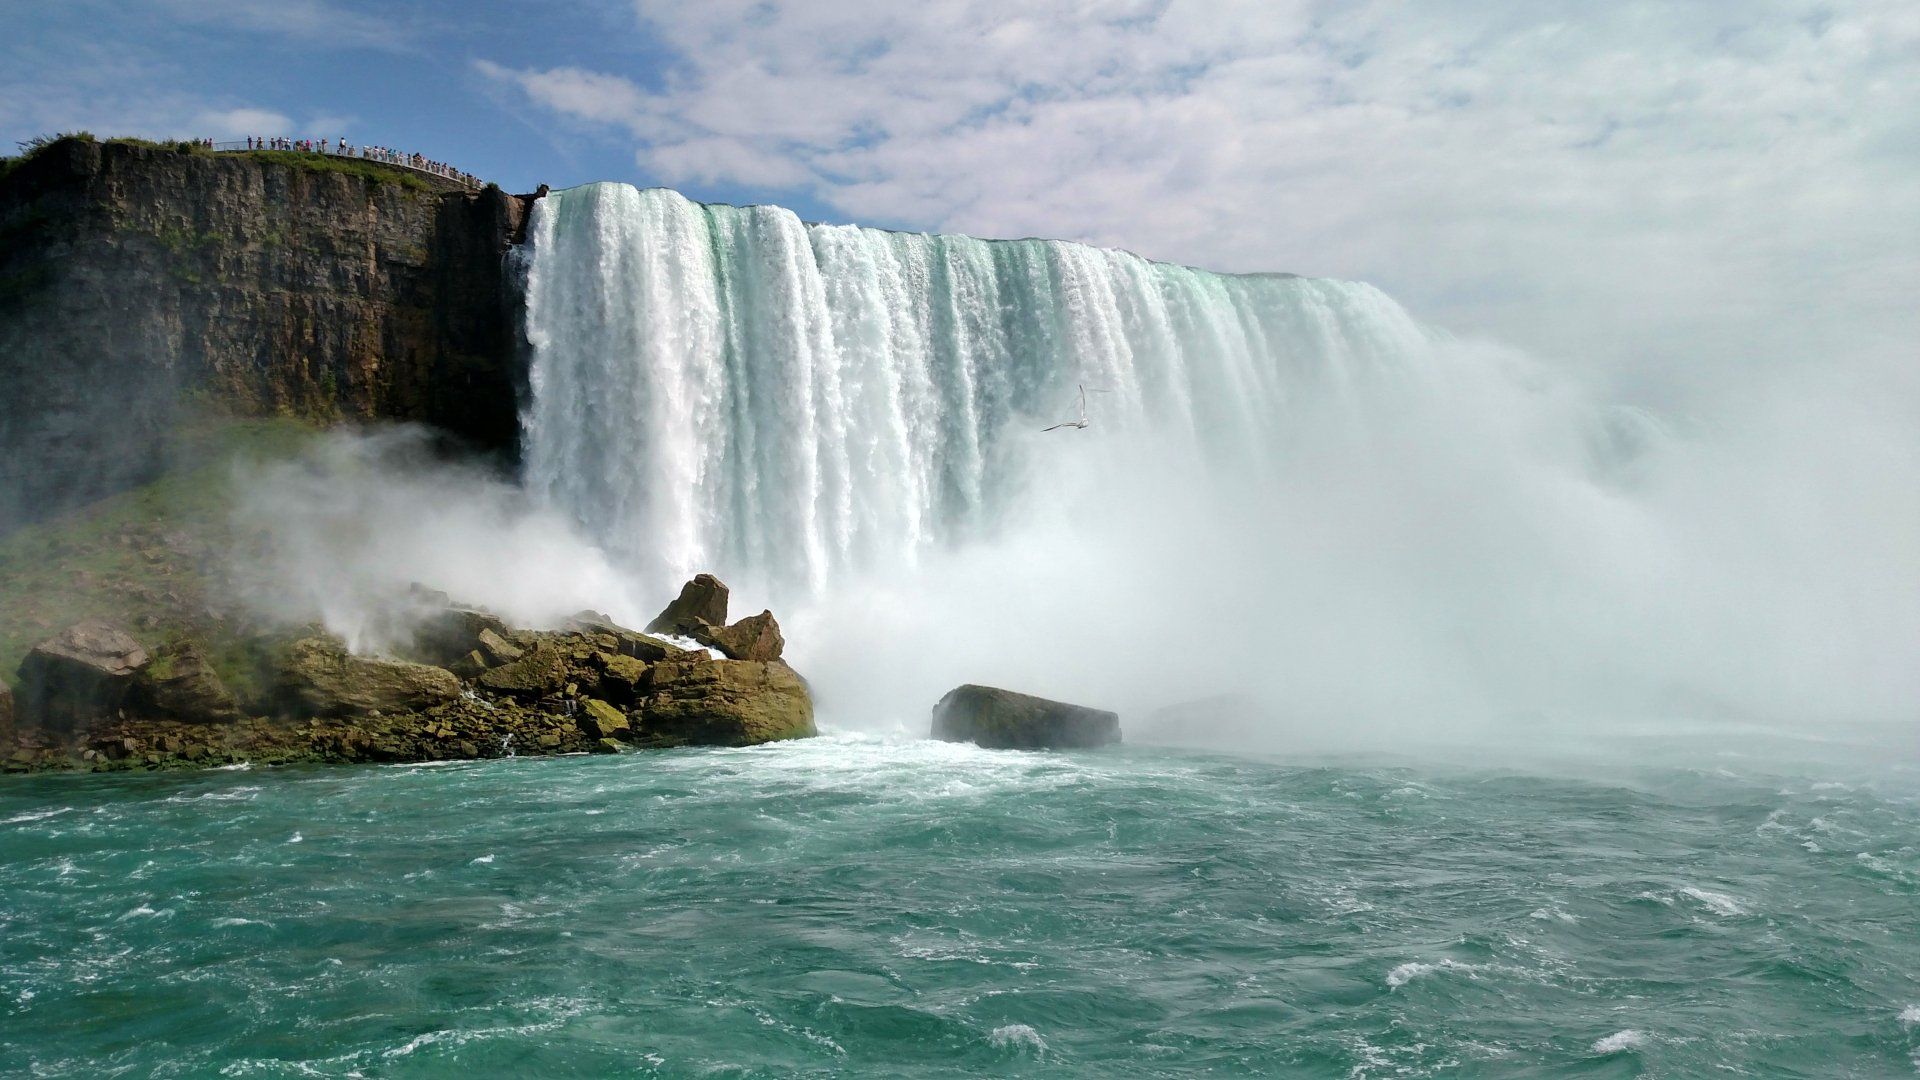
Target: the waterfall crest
(727, 388)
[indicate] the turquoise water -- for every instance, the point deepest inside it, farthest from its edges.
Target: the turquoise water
(864, 906)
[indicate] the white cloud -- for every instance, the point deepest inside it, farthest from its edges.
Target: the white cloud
(240, 123)
(1639, 183)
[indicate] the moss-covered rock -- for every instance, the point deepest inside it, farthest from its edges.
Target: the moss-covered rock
(542, 672)
(181, 684)
(323, 679)
(726, 703)
(622, 678)
(627, 642)
(450, 633)
(756, 637)
(602, 721)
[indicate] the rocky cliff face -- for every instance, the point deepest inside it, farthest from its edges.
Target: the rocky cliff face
(135, 279)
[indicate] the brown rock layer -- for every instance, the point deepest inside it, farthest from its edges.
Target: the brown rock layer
(133, 276)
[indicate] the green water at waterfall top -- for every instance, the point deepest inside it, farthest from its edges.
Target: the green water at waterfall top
(864, 906)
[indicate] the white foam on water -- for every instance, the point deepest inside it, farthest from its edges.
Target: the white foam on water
(239, 794)
(1620, 1041)
(37, 815)
(1019, 1037)
(482, 860)
(1718, 903)
(1416, 969)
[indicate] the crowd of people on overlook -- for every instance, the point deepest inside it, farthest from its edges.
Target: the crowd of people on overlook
(342, 148)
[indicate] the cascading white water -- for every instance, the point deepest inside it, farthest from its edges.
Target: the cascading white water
(732, 389)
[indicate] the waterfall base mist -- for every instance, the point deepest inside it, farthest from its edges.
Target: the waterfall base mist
(1481, 553)
(349, 533)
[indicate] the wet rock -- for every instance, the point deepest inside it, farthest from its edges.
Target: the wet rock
(602, 721)
(80, 675)
(1003, 719)
(726, 703)
(607, 746)
(6, 715)
(756, 637)
(451, 632)
(497, 649)
(622, 678)
(469, 666)
(541, 672)
(702, 601)
(624, 641)
(322, 679)
(181, 684)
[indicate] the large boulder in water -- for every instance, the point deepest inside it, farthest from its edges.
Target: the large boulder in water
(702, 603)
(181, 684)
(1003, 720)
(81, 674)
(726, 703)
(322, 678)
(756, 637)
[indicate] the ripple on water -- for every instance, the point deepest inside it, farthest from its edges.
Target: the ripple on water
(859, 904)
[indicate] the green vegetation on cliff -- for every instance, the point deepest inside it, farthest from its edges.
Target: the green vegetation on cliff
(374, 171)
(152, 557)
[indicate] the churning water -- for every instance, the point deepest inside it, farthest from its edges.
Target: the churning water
(856, 905)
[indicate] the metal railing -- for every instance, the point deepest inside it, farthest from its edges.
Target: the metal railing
(374, 154)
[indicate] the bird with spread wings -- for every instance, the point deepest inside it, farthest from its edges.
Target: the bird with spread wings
(1083, 421)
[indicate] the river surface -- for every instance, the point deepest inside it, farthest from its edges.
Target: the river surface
(859, 905)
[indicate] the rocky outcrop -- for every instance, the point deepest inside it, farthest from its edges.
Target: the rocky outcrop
(583, 688)
(451, 632)
(626, 642)
(726, 703)
(135, 277)
(182, 685)
(324, 679)
(1004, 720)
(6, 716)
(602, 721)
(702, 604)
(756, 637)
(541, 671)
(622, 678)
(80, 675)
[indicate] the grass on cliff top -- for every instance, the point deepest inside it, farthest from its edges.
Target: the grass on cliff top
(151, 559)
(374, 171)
(327, 163)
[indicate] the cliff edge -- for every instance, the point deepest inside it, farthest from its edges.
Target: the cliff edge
(136, 278)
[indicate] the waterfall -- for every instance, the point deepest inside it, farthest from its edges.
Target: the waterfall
(728, 388)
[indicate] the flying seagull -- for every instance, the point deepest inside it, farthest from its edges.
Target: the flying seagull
(1083, 421)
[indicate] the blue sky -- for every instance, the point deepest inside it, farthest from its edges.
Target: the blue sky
(398, 74)
(1660, 192)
